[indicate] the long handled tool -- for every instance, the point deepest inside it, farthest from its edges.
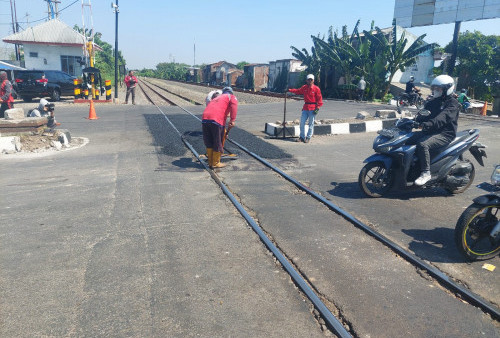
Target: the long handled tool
(231, 155)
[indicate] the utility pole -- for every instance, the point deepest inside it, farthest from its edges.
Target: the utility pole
(115, 7)
(451, 65)
(15, 27)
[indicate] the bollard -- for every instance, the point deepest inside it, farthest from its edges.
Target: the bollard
(86, 93)
(78, 92)
(96, 93)
(108, 89)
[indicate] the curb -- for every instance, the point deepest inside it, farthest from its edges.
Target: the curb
(274, 129)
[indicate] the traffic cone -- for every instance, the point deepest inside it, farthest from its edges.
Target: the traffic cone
(485, 108)
(92, 115)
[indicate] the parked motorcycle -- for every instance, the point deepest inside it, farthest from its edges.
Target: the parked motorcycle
(406, 100)
(396, 165)
(477, 233)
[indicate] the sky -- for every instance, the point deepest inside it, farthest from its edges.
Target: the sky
(258, 31)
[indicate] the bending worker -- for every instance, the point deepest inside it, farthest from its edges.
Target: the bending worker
(439, 128)
(312, 102)
(214, 122)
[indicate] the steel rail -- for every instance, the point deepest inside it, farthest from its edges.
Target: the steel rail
(330, 320)
(411, 258)
(196, 103)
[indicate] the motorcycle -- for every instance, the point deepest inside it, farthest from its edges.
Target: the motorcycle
(477, 233)
(406, 100)
(396, 165)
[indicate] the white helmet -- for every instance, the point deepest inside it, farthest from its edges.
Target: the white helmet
(445, 82)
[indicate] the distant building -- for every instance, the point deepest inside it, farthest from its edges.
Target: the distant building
(232, 76)
(216, 73)
(256, 76)
(52, 45)
(291, 66)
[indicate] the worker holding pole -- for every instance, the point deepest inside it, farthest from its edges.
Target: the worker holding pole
(214, 118)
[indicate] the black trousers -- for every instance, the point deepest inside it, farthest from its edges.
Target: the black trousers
(425, 143)
(130, 90)
(4, 107)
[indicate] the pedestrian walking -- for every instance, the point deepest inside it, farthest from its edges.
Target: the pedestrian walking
(312, 102)
(213, 124)
(131, 82)
(6, 91)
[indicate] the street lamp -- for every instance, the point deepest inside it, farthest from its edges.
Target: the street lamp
(116, 11)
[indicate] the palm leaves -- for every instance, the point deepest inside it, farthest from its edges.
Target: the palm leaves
(373, 55)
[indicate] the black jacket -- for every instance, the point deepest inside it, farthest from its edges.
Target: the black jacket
(443, 118)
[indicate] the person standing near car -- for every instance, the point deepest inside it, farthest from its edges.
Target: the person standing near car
(312, 102)
(5, 94)
(131, 82)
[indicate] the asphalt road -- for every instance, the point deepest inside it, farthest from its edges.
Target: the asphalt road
(128, 236)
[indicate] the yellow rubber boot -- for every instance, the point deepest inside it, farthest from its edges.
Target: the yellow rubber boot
(216, 160)
(210, 152)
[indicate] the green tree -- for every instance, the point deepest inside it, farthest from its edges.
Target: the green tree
(241, 64)
(478, 64)
(171, 71)
(312, 61)
(105, 59)
(398, 55)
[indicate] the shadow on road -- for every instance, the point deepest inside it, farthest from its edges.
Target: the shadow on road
(351, 190)
(436, 245)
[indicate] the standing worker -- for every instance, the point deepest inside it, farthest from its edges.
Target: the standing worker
(214, 122)
(5, 94)
(361, 88)
(312, 102)
(131, 82)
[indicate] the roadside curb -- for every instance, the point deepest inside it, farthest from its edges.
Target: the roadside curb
(274, 129)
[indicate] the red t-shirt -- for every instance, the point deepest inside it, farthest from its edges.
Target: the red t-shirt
(220, 108)
(312, 96)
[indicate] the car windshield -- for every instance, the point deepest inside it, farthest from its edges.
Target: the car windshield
(29, 75)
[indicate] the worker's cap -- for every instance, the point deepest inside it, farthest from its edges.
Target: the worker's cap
(310, 76)
(227, 90)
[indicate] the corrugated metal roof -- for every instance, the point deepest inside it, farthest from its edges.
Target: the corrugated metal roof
(5, 65)
(53, 32)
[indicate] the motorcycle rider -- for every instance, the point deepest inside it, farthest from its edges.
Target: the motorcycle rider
(440, 127)
(411, 90)
(463, 99)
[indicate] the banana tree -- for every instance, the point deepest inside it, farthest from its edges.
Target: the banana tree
(341, 52)
(399, 56)
(312, 60)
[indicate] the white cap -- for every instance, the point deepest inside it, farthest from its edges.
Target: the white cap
(310, 76)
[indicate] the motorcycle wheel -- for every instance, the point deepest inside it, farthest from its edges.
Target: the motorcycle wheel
(400, 102)
(375, 180)
(460, 189)
(419, 103)
(472, 233)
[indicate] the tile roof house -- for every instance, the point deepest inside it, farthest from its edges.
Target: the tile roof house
(52, 45)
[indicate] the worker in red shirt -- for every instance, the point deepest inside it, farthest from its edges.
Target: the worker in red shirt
(214, 124)
(131, 82)
(312, 102)
(5, 94)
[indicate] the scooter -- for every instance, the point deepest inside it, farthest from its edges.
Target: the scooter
(477, 233)
(396, 165)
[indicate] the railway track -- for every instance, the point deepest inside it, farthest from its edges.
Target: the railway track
(336, 325)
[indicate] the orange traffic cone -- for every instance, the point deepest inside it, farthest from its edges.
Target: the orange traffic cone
(92, 115)
(485, 108)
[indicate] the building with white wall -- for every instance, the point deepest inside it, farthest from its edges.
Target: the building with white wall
(52, 45)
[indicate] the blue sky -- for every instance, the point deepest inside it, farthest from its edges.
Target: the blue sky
(153, 31)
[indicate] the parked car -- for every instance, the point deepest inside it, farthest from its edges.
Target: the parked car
(44, 83)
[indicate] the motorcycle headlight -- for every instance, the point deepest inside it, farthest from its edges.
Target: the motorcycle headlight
(385, 149)
(495, 176)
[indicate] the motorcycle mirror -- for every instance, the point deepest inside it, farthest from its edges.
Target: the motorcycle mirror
(424, 112)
